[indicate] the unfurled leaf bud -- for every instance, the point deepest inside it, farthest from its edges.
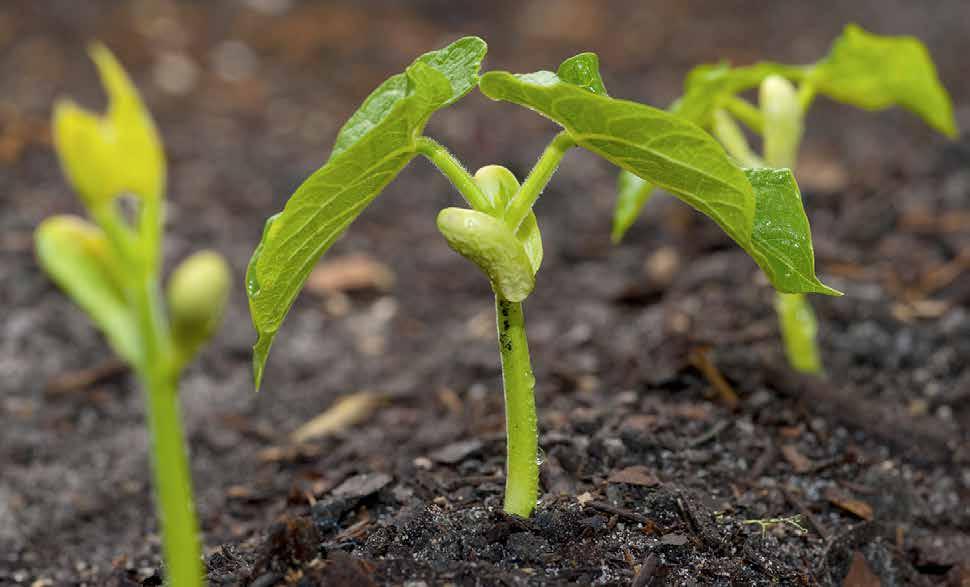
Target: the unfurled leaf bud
(498, 184)
(197, 293)
(107, 155)
(489, 243)
(78, 257)
(782, 121)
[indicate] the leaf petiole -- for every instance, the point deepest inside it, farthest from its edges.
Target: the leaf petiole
(522, 202)
(746, 112)
(442, 158)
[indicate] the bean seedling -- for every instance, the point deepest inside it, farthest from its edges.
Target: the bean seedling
(868, 71)
(760, 209)
(110, 267)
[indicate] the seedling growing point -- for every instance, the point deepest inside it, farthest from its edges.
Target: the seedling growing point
(110, 268)
(865, 70)
(499, 233)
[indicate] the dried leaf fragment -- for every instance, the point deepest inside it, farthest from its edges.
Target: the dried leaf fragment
(350, 273)
(850, 504)
(635, 475)
(799, 462)
(344, 413)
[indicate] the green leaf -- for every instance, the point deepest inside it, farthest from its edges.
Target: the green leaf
(875, 72)
(583, 70)
(77, 256)
(489, 243)
(372, 148)
(458, 62)
(657, 146)
(632, 194)
(781, 241)
(107, 155)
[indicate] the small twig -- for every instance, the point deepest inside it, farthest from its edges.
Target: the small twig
(622, 512)
(647, 570)
(84, 378)
(709, 435)
(687, 514)
(699, 359)
(764, 461)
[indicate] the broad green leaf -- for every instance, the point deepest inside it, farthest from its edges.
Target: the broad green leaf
(459, 62)
(781, 241)
(119, 152)
(499, 185)
(372, 149)
(876, 72)
(583, 70)
(77, 256)
(706, 88)
(632, 194)
(657, 146)
(489, 243)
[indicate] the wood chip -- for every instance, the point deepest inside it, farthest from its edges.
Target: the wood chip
(456, 452)
(850, 504)
(350, 273)
(799, 462)
(674, 539)
(860, 573)
(635, 475)
(363, 485)
(345, 412)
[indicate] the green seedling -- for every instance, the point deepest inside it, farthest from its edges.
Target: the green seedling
(864, 70)
(110, 267)
(760, 209)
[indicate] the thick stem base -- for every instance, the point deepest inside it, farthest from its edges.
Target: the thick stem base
(522, 467)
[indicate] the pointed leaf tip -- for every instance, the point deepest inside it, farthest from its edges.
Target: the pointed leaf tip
(876, 72)
(372, 147)
(781, 241)
(583, 70)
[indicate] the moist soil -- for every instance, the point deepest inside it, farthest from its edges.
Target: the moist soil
(653, 472)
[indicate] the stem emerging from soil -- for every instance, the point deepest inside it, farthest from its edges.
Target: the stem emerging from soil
(522, 468)
(170, 467)
(783, 112)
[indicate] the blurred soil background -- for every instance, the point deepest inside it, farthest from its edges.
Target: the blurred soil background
(648, 475)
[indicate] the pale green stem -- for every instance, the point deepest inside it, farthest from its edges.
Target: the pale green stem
(170, 467)
(747, 113)
(731, 136)
(523, 201)
(806, 95)
(522, 466)
(799, 327)
(456, 173)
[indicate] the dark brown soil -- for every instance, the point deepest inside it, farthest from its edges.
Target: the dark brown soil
(648, 477)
